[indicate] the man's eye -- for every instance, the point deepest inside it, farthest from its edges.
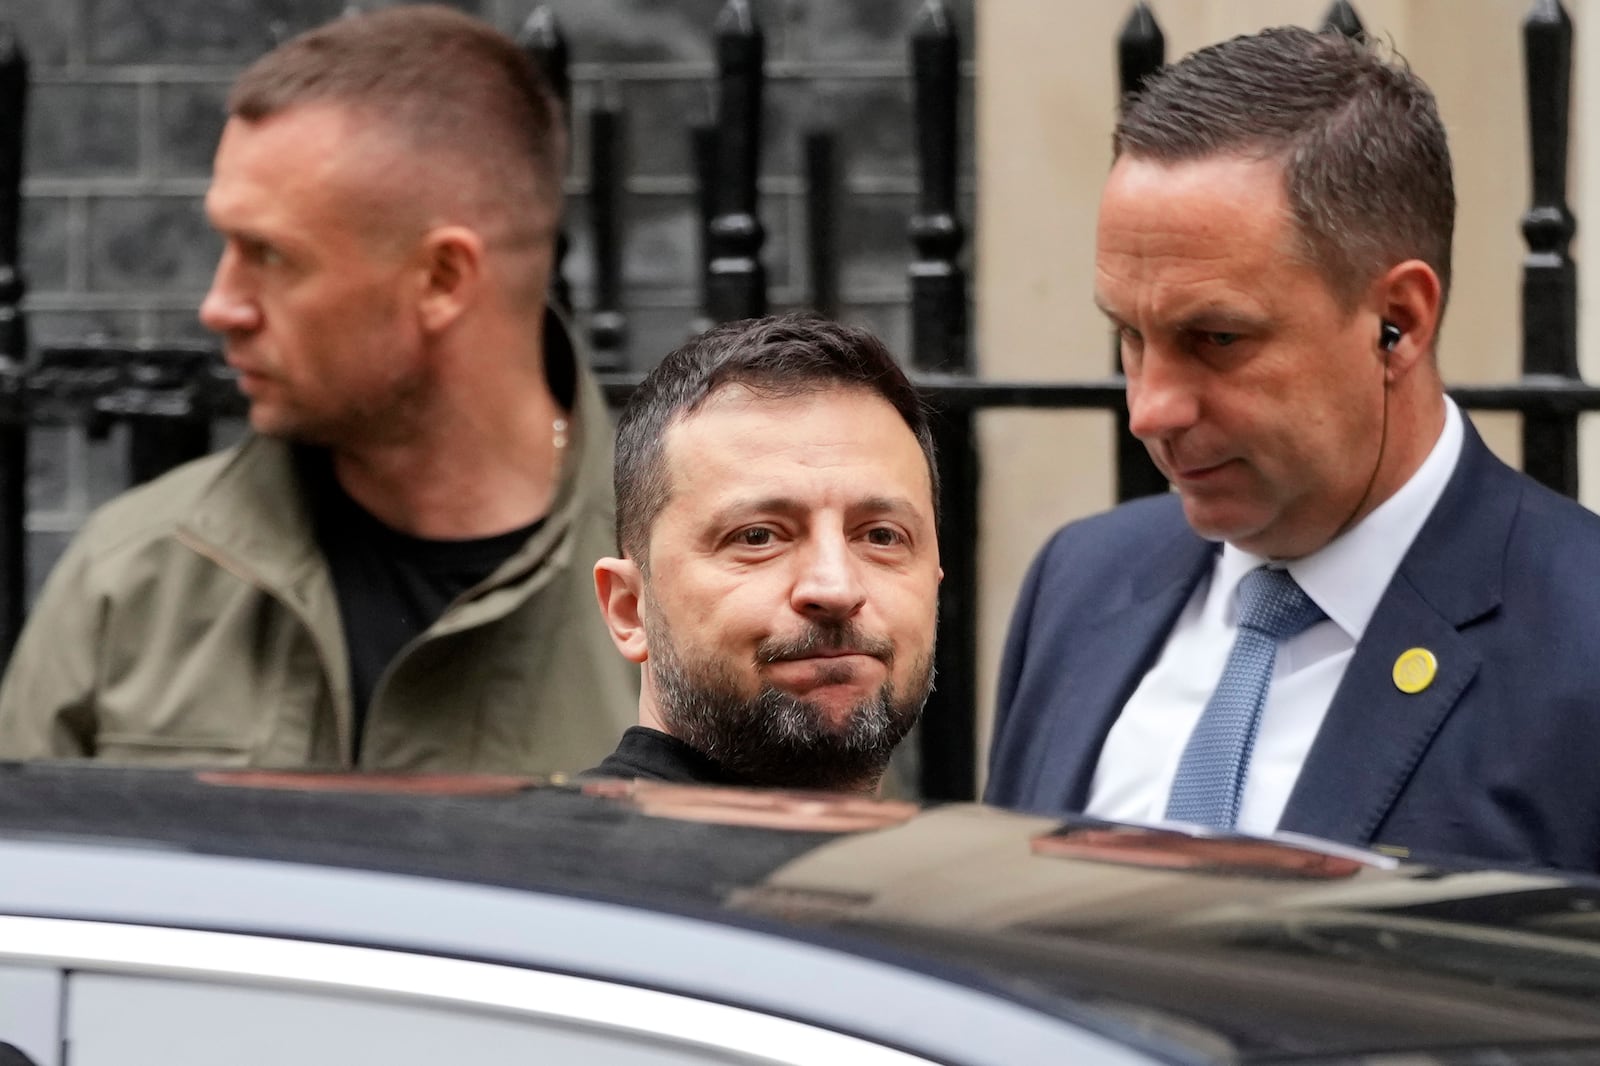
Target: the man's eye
(1219, 340)
(260, 252)
(884, 537)
(1130, 347)
(756, 537)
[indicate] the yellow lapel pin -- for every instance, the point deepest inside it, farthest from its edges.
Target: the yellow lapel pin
(1415, 670)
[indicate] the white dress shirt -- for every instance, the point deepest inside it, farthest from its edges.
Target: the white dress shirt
(1346, 579)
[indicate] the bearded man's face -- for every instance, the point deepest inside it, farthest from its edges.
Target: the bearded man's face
(774, 738)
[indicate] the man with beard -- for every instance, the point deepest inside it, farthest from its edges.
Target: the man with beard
(780, 569)
(392, 571)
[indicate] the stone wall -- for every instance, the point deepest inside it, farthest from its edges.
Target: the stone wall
(127, 104)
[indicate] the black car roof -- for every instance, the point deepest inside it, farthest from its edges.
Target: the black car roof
(547, 838)
(1244, 957)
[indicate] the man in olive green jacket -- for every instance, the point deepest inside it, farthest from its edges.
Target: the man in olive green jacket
(393, 571)
(194, 622)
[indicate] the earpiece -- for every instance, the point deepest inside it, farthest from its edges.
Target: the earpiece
(1388, 336)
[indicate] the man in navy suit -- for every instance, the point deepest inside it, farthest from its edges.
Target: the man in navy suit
(1273, 252)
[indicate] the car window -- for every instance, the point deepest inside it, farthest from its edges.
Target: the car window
(114, 1020)
(181, 997)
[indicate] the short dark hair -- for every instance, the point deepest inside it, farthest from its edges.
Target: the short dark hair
(1365, 160)
(778, 357)
(449, 82)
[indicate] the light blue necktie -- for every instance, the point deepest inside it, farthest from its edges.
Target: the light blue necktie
(1272, 608)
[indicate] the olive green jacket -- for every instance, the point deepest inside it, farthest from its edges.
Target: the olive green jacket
(194, 622)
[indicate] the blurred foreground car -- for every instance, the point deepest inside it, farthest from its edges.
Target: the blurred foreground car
(161, 917)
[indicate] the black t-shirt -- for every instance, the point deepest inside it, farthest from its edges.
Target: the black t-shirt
(390, 586)
(656, 756)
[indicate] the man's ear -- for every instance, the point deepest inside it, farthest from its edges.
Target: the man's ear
(451, 271)
(619, 586)
(1411, 299)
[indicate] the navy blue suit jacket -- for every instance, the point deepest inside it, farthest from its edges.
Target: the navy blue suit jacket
(1498, 759)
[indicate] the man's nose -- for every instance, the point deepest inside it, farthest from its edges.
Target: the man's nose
(1162, 396)
(228, 307)
(829, 582)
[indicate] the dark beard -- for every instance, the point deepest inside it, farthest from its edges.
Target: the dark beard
(774, 739)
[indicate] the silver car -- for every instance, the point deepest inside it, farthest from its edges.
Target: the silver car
(171, 918)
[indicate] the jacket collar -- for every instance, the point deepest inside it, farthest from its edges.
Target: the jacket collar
(1183, 560)
(1457, 562)
(1114, 653)
(254, 518)
(583, 493)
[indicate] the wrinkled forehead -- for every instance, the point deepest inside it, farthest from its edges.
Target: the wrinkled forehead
(321, 169)
(300, 151)
(1193, 221)
(1210, 196)
(740, 426)
(1243, 190)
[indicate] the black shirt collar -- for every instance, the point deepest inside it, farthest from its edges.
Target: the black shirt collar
(656, 756)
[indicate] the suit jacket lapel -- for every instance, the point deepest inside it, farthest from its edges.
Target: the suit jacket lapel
(1374, 734)
(1106, 664)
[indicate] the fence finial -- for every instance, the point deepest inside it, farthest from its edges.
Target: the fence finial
(736, 19)
(934, 17)
(938, 283)
(539, 29)
(1549, 277)
(737, 286)
(1342, 18)
(544, 43)
(1141, 49)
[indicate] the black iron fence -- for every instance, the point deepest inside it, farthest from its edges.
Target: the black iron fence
(170, 396)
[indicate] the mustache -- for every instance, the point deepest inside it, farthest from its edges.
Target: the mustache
(839, 638)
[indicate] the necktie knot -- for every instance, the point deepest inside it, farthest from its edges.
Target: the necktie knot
(1272, 603)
